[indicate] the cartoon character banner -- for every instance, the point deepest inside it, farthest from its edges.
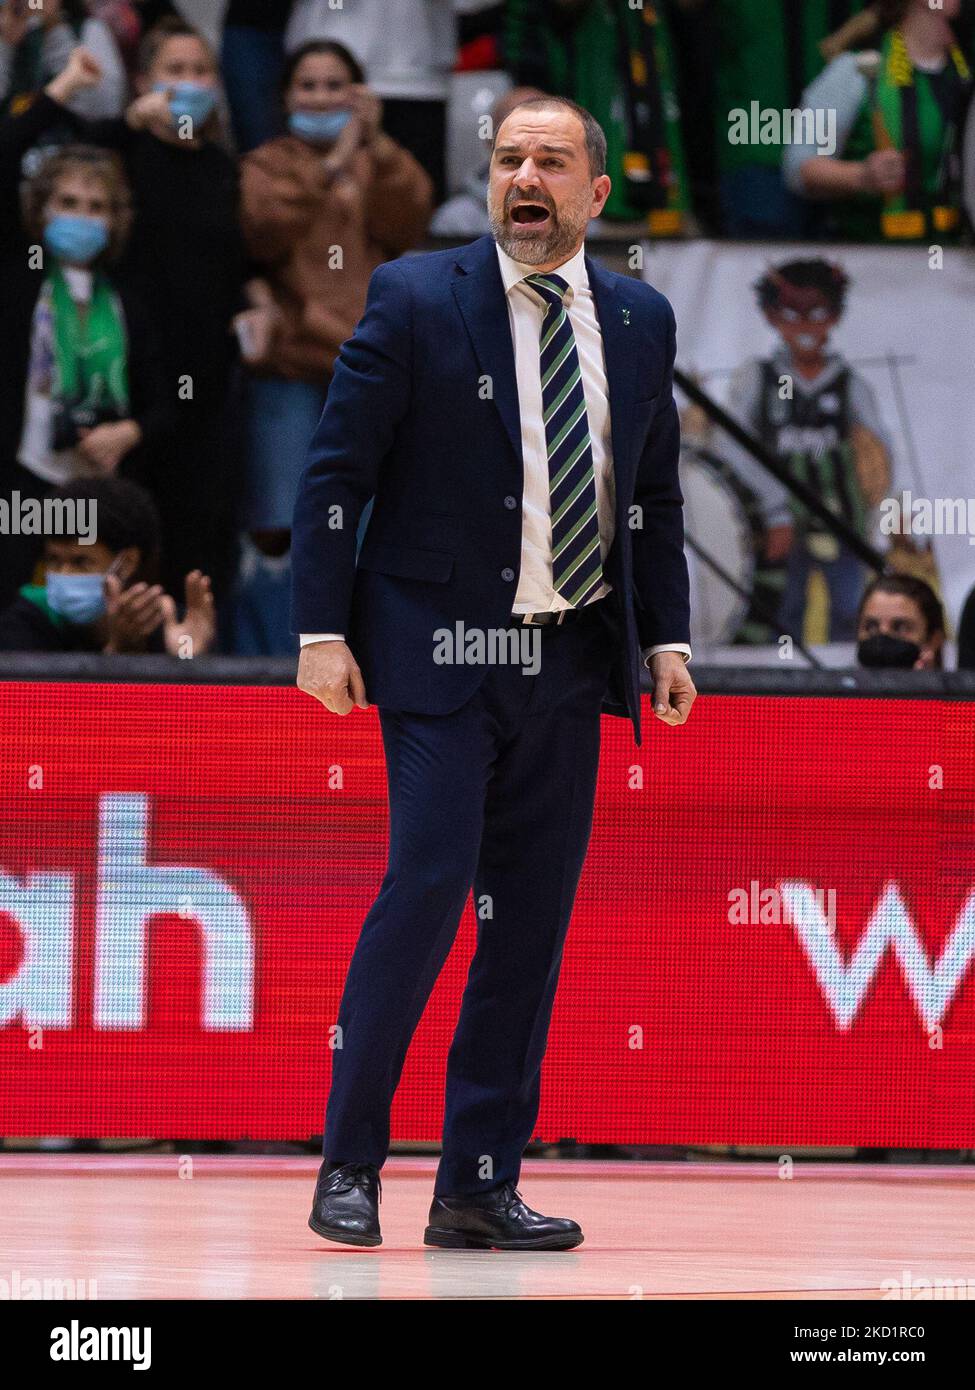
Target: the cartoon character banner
(853, 365)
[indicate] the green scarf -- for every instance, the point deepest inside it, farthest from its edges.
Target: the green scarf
(579, 55)
(933, 210)
(37, 594)
(90, 367)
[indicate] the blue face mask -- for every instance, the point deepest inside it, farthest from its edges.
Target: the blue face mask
(191, 99)
(75, 239)
(318, 127)
(78, 598)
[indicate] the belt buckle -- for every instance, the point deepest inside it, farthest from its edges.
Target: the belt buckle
(543, 619)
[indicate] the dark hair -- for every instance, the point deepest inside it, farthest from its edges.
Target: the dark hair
(357, 72)
(169, 27)
(126, 516)
(826, 276)
(95, 163)
(593, 131)
(910, 587)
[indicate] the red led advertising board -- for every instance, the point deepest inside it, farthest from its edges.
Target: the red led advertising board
(773, 940)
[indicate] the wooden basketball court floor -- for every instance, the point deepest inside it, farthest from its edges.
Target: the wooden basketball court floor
(230, 1227)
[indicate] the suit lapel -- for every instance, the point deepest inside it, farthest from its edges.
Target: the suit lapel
(480, 296)
(621, 351)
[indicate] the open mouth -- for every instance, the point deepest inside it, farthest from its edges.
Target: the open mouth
(529, 214)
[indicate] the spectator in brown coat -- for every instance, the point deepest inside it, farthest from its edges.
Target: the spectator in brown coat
(322, 207)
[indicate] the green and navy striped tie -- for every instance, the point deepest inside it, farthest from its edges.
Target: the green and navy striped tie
(577, 570)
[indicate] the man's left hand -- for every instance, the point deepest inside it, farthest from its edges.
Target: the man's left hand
(673, 689)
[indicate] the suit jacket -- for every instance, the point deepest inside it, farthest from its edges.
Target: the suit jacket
(422, 413)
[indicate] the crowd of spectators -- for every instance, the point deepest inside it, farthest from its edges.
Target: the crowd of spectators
(189, 218)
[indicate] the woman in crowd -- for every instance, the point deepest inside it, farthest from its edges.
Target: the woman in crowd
(899, 116)
(187, 254)
(901, 625)
(409, 49)
(99, 592)
(81, 386)
(35, 45)
(322, 206)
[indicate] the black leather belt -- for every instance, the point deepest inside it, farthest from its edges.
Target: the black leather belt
(556, 618)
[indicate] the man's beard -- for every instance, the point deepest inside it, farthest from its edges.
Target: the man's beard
(559, 241)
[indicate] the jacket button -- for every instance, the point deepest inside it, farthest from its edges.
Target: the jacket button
(507, 575)
(511, 503)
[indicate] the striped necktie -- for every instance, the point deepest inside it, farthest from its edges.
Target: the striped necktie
(577, 570)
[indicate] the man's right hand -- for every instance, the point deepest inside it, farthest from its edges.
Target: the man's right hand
(328, 671)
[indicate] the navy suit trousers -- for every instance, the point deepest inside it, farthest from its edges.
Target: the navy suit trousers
(497, 795)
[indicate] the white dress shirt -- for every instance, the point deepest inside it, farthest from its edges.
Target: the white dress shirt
(526, 308)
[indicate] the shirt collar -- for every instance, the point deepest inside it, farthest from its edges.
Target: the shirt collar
(573, 272)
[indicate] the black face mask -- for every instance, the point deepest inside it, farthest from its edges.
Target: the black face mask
(882, 650)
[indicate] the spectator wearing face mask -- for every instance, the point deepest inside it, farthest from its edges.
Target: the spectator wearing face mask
(81, 385)
(901, 625)
(36, 44)
(409, 49)
(99, 591)
(186, 252)
(336, 180)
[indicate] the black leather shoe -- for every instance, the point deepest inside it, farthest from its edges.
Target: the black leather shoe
(346, 1205)
(497, 1220)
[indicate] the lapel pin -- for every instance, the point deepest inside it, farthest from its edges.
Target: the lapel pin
(626, 315)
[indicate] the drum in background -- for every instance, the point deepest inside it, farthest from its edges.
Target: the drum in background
(721, 520)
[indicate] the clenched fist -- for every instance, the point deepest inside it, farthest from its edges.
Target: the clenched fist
(328, 671)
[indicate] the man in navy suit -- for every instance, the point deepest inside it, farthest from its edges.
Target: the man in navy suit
(509, 407)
